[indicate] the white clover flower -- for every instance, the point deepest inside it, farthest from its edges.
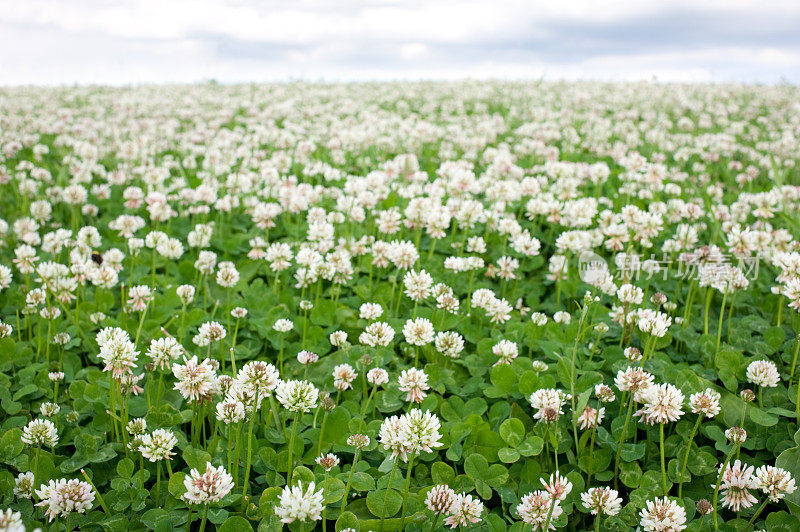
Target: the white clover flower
(601, 501)
(210, 486)
(548, 404)
(441, 499)
(763, 373)
(297, 396)
(775, 482)
(737, 481)
(418, 331)
(11, 521)
(212, 331)
(557, 486)
(417, 284)
(298, 505)
(376, 334)
(633, 379)
(389, 436)
(539, 319)
(534, 508)
(414, 382)
(230, 412)
(283, 325)
(562, 317)
(705, 402)
(197, 381)
(158, 445)
(185, 293)
(163, 351)
(377, 376)
(40, 432)
(466, 510)
(339, 338)
(259, 375)
(117, 351)
(327, 461)
(662, 403)
(736, 435)
(506, 350)
(23, 485)
(662, 515)
(343, 377)
(420, 431)
(370, 311)
(449, 343)
(62, 497)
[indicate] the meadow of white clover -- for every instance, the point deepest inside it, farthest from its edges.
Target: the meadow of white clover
(404, 306)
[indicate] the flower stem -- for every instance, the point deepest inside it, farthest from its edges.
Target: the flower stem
(321, 432)
(291, 448)
(158, 484)
(249, 457)
(622, 440)
(203, 521)
(388, 488)
(99, 497)
(324, 496)
(36, 466)
(350, 479)
(686, 456)
(550, 514)
(719, 326)
(758, 512)
(435, 520)
(709, 296)
(719, 481)
(405, 493)
(663, 469)
(591, 446)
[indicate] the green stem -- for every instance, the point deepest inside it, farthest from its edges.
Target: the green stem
(321, 432)
(794, 357)
(709, 296)
(349, 480)
(435, 520)
(158, 484)
(203, 521)
(388, 489)
(405, 493)
(237, 452)
(686, 455)
(719, 481)
(591, 446)
(622, 439)
(584, 312)
(758, 512)
(274, 410)
(36, 466)
(291, 448)
(550, 514)
(663, 468)
(797, 403)
(99, 496)
(230, 445)
(719, 326)
(249, 457)
(324, 496)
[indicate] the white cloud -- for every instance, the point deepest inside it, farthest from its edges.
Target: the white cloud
(53, 41)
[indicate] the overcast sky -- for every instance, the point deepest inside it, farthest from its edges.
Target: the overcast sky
(136, 41)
